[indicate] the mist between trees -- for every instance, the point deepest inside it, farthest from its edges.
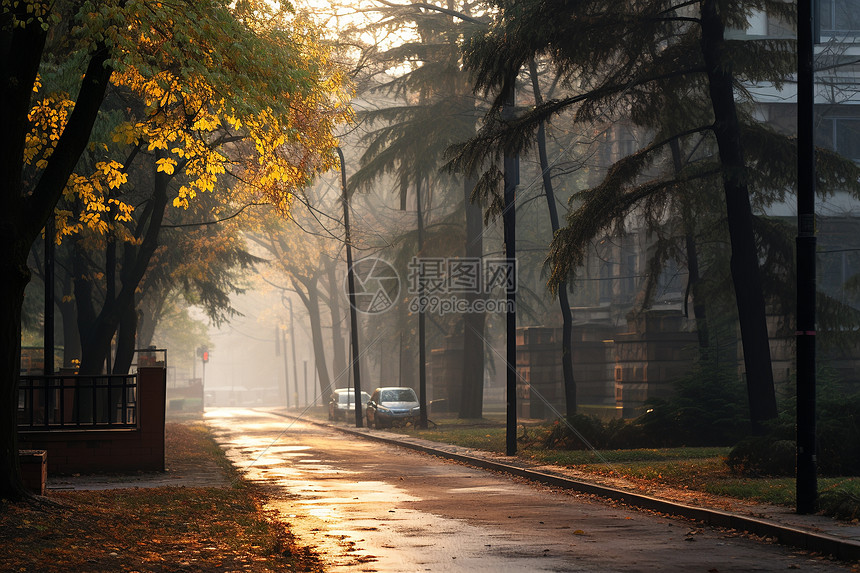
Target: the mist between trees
(197, 196)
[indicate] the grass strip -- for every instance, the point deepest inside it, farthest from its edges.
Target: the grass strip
(690, 469)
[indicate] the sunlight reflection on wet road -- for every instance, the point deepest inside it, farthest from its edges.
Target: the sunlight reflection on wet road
(362, 524)
(368, 506)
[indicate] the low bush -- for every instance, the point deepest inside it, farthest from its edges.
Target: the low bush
(579, 433)
(763, 456)
(708, 408)
(840, 503)
(837, 431)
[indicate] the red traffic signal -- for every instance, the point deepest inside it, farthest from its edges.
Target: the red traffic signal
(205, 356)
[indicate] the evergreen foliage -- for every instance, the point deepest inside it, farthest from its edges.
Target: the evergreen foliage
(672, 70)
(429, 108)
(706, 409)
(838, 433)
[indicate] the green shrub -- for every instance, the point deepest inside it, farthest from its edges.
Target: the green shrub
(763, 456)
(579, 433)
(837, 425)
(838, 431)
(840, 503)
(707, 408)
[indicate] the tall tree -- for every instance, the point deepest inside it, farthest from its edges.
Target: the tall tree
(637, 60)
(564, 305)
(301, 254)
(432, 109)
(214, 47)
(24, 29)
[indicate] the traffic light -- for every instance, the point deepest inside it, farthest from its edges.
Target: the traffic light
(205, 355)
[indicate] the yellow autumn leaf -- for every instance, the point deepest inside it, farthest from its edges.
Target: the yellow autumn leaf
(166, 164)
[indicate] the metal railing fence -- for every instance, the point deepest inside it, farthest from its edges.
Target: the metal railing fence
(75, 402)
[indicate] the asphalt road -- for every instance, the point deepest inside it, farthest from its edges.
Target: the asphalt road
(367, 506)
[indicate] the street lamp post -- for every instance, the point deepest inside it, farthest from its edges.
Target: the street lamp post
(422, 328)
(283, 337)
(48, 357)
(509, 224)
(293, 348)
(806, 478)
(350, 281)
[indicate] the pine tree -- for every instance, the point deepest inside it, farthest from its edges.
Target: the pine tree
(666, 66)
(408, 139)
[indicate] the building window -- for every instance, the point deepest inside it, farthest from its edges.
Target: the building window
(841, 134)
(669, 283)
(628, 279)
(840, 15)
(606, 280)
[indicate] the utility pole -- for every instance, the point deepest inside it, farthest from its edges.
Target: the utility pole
(350, 280)
(286, 368)
(806, 480)
(293, 345)
(509, 219)
(422, 329)
(48, 358)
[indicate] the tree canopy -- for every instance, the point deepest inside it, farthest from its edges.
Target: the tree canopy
(674, 70)
(209, 89)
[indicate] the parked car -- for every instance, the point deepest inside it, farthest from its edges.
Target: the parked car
(392, 406)
(342, 403)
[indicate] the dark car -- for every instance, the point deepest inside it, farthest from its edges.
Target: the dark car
(392, 406)
(342, 403)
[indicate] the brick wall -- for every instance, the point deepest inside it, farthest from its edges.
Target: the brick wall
(87, 451)
(445, 375)
(658, 347)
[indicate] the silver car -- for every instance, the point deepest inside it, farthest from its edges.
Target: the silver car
(342, 403)
(392, 406)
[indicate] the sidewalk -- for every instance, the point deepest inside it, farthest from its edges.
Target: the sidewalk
(180, 471)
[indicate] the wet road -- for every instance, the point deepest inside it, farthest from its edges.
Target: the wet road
(367, 506)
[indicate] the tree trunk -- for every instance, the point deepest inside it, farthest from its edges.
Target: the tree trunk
(694, 280)
(472, 388)
(135, 262)
(69, 316)
(694, 284)
(312, 303)
(25, 212)
(16, 275)
(570, 401)
(151, 308)
(125, 340)
(744, 262)
(85, 306)
(338, 349)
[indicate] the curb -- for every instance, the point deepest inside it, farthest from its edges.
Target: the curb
(839, 548)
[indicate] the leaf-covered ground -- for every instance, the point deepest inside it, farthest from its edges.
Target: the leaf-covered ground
(204, 529)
